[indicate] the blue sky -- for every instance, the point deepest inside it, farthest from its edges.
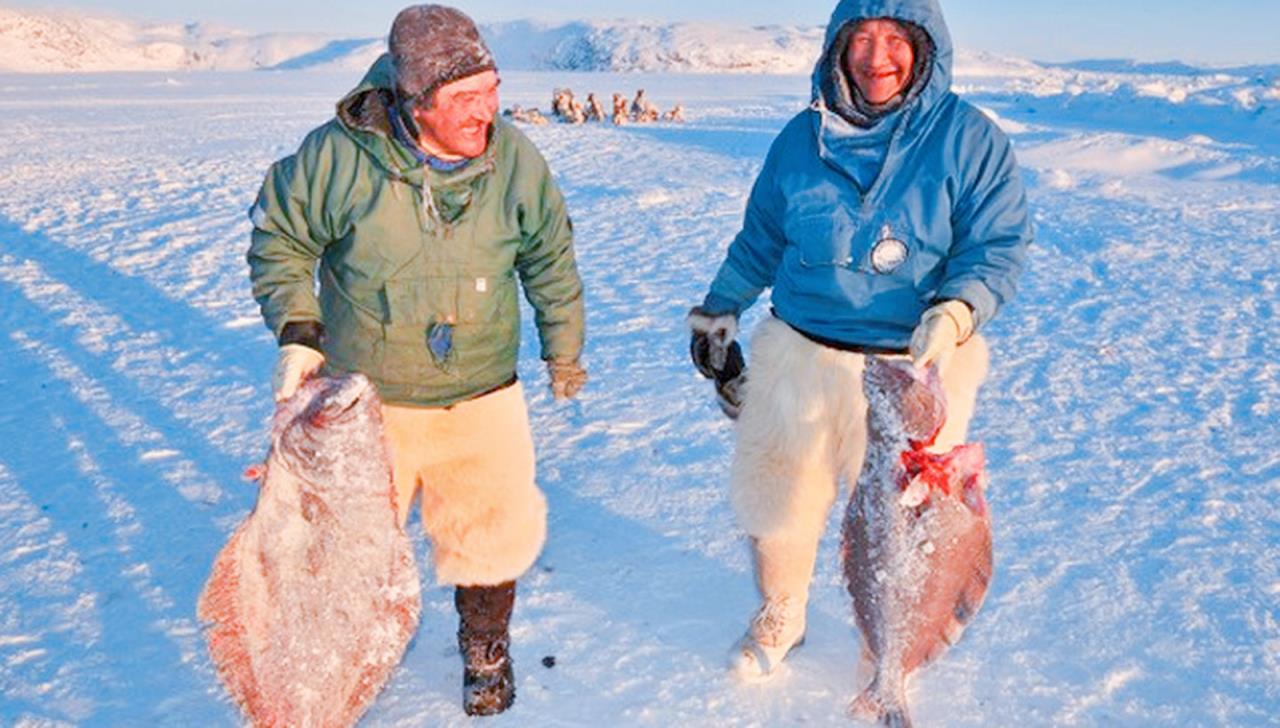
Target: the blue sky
(1234, 31)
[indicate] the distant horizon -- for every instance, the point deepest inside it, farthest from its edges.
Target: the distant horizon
(1088, 30)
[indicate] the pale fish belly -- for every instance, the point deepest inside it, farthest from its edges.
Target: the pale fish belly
(916, 538)
(316, 596)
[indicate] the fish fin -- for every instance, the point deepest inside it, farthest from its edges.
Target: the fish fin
(972, 491)
(866, 707)
(866, 663)
(896, 718)
(219, 606)
(871, 706)
(974, 593)
(935, 651)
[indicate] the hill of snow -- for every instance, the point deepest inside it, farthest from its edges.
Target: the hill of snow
(44, 42)
(630, 45)
(37, 42)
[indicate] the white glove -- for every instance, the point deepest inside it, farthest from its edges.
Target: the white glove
(295, 365)
(942, 328)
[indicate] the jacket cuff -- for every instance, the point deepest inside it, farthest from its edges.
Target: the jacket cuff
(717, 305)
(974, 293)
(308, 333)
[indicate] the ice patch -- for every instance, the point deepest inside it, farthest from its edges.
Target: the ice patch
(20, 658)
(653, 198)
(1112, 683)
(1059, 179)
(151, 455)
(1112, 154)
(1008, 126)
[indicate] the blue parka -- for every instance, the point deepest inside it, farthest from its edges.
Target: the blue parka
(859, 230)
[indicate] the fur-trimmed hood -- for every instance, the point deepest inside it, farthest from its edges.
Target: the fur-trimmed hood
(925, 14)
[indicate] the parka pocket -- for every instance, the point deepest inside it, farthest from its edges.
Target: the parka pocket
(486, 299)
(420, 302)
(418, 331)
(822, 239)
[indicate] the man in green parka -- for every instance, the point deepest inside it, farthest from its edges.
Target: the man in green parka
(417, 209)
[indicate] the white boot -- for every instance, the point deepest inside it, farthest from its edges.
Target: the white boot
(775, 630)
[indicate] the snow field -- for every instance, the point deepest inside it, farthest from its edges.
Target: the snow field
(1129, 415)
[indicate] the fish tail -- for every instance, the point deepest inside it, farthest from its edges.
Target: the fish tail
(896, 718)
(873, 705)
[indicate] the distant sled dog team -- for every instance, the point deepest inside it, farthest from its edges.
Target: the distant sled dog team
(888, 221)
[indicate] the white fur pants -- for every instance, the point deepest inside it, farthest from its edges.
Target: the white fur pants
(474, 464)
(803, 427)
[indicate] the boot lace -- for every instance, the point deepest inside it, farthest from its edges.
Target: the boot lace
(775, 620)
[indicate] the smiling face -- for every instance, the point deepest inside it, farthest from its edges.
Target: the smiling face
(456, 126)
(879, 59)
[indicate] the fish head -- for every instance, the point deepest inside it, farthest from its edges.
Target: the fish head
(338, 400)
(331, 429)
(904, 400)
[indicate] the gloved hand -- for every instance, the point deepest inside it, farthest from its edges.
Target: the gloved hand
(713, 334)
(717, 356)
(941, 329)
(567, 378)
(297, 362)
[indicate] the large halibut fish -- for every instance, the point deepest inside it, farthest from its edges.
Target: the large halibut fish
(315, 597)
(916, 537)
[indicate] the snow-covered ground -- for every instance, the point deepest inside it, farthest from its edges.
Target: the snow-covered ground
(1130, 416)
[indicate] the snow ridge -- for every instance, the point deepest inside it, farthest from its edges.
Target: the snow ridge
(48, 41)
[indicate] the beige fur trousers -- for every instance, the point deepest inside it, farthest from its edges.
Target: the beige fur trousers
(802, 429)
(474, 465)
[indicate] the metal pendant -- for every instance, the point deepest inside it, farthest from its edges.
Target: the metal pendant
(889, 252)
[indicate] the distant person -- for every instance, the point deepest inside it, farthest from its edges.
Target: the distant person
(889, 219)
(421, 211)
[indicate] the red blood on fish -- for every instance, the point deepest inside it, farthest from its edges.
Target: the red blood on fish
(315, 597)
(916, 536)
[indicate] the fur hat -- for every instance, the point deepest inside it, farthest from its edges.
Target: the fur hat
(432, 45)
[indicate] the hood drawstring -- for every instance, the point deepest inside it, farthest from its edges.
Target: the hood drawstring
(428, 212)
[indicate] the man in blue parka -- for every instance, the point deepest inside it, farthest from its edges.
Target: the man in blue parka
(889, 218)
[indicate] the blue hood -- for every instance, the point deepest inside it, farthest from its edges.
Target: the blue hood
(925, 13)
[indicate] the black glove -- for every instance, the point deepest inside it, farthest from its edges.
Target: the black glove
(718, 356)
(713, 336)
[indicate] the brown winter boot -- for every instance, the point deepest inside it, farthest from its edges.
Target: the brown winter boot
(484, 612)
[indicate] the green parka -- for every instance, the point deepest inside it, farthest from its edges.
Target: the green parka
(406, 252)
